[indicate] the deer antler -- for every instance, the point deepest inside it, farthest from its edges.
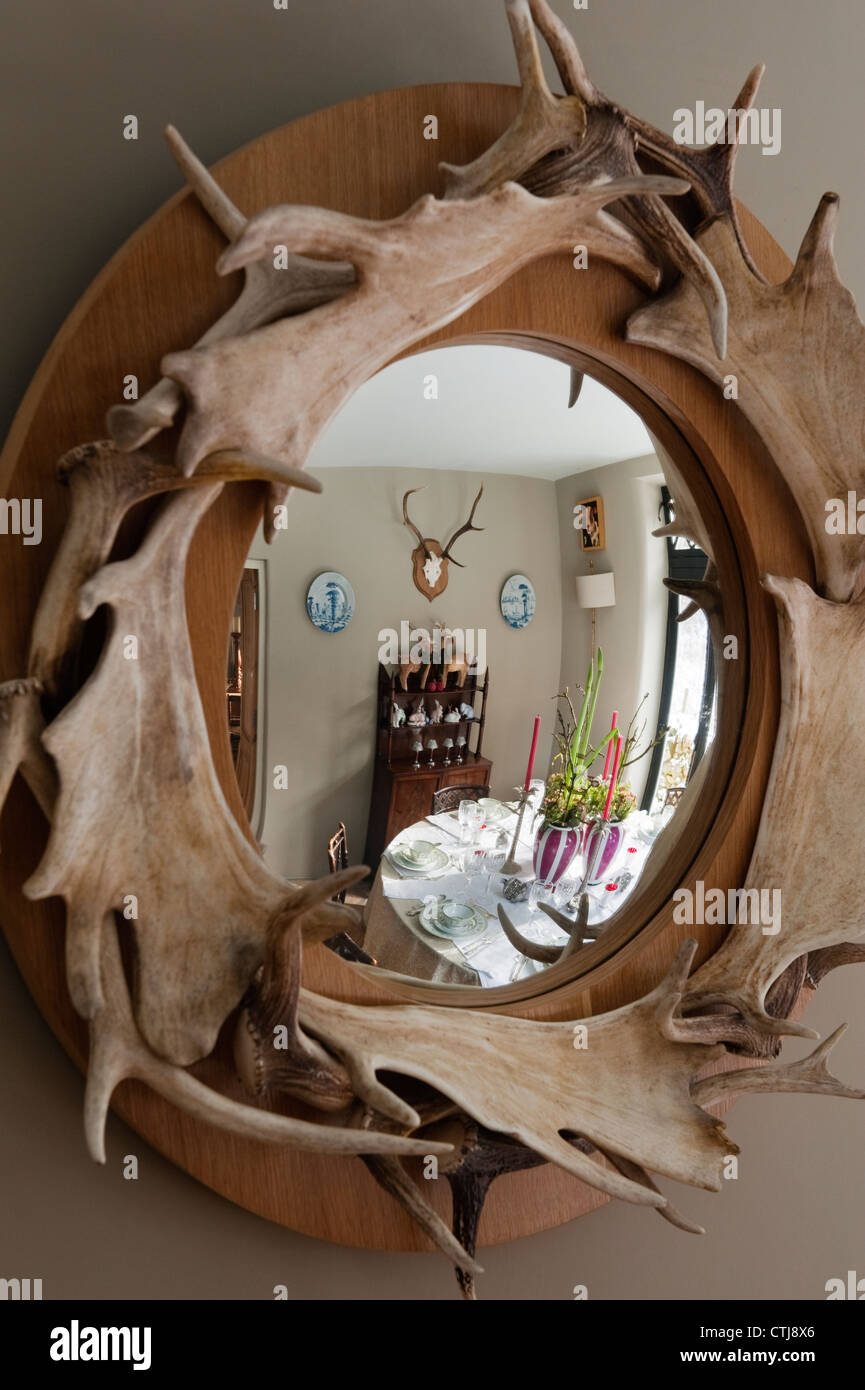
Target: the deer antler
(417, 272)
(408, 521)
(154, 822)
(703, 594)
(810, 1074)
(21, 726)
(544, 122)
(268, 293)
(104, 484)
(750, 959)
(467, 526)
(300, 1066)
(481, 1068)
(118, 1052)
(564, 144)
(536, 950)
(777, 333)
(709, 170)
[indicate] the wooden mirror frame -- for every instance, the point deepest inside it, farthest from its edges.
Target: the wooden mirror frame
(665, 1047)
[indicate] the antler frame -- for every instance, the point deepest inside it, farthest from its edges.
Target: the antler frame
(476, 1103)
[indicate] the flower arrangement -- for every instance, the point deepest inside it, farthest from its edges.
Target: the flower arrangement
(573, 796)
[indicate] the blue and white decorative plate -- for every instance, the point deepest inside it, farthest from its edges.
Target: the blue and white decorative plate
(517, 601)
(330, 602)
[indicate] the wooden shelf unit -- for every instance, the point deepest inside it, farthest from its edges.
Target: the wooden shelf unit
(401, 793)
(394, 745)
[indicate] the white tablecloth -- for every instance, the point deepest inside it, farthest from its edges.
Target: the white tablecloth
(490, 955)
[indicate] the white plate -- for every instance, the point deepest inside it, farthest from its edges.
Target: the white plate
(330, 602)
(408, 850)
(430, 919)
(436, 863)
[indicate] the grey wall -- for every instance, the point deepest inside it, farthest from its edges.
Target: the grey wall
(321, 700)
(224, 71)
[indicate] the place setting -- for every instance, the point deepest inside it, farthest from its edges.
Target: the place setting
(421, 858)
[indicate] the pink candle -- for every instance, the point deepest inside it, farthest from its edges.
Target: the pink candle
(534, 749)
(613, 776)
(610, 745)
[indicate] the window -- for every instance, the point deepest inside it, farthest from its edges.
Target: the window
(688, 704)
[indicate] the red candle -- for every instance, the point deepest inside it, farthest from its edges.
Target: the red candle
(610, 745)
(534, 749)
(613, 776)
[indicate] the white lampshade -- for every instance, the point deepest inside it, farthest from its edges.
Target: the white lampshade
(596, 590)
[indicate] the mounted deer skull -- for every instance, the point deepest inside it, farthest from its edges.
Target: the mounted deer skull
(429, 559)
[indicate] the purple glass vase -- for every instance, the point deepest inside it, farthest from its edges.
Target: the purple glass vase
(615, 839)
(554, 850)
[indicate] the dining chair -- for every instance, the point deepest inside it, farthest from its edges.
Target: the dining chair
(448, 798)
(337, 854)
(337, 858)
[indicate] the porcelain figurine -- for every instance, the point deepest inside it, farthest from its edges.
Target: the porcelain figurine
(437, 713)
(418, 714)
(397, 717)
(467, 711)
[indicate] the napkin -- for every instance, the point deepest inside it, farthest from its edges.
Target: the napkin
(452, 885)
(496, 962)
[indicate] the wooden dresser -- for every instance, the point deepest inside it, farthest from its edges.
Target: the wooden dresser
(401, 796)
(401, 793)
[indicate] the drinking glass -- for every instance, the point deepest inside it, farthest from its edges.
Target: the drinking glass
(469, 816)
(494, 845)
(538, 893)
(563, 892)
(470, 860)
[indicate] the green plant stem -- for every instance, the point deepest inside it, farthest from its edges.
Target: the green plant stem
(577, 739)
(592, 703)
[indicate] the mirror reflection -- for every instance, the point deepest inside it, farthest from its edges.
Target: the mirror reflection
(462, 666)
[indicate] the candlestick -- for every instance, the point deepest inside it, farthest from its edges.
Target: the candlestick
(534, 749)
(511, 864)
(613, 775)
(609, 756)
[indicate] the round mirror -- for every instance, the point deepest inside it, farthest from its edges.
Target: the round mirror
(503, 694)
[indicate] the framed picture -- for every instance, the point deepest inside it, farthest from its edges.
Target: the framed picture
(589, 523)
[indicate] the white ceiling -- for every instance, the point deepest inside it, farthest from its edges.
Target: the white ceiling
(499, 410)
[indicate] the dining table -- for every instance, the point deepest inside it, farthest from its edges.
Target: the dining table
(400, 943)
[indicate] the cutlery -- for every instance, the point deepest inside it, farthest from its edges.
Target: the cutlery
(521, 960)
(447, 830)
(475, 946)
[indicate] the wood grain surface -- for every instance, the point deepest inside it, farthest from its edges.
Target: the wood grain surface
(159, 293)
